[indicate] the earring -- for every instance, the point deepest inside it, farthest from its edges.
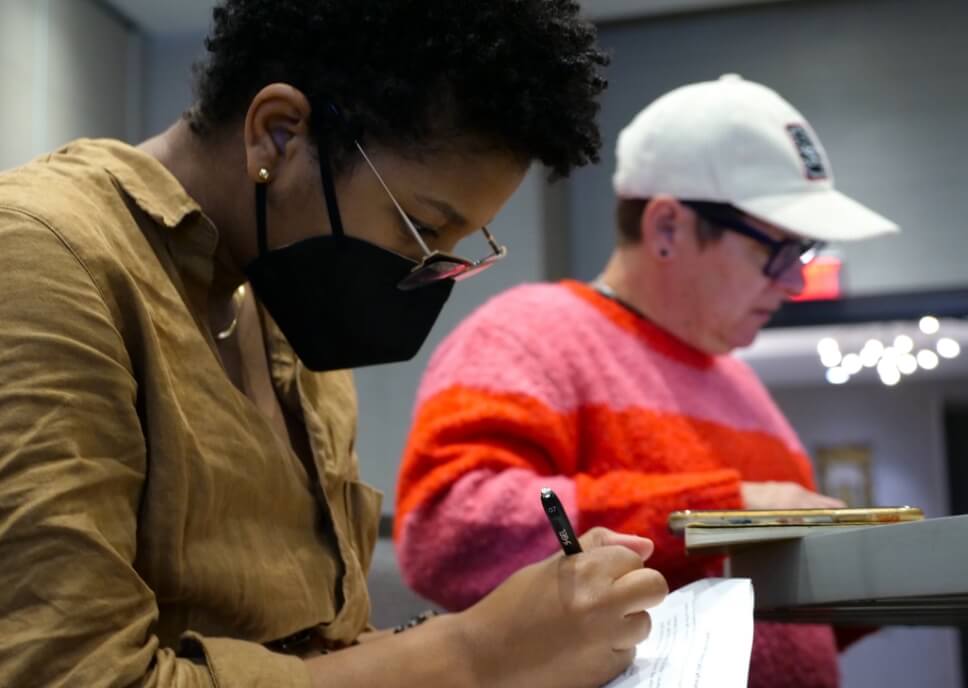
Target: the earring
(263, 175)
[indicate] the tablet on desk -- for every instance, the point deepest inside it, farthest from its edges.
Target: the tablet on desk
(679, 520)
(722, 531)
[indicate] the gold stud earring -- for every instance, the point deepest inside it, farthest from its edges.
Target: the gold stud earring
(263, 175)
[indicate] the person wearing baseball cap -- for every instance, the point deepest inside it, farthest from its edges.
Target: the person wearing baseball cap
(622, 395)
(736, 142)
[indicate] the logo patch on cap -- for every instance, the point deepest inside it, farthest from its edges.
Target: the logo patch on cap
(812, 160)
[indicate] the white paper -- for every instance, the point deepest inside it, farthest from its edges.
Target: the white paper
(702, 636)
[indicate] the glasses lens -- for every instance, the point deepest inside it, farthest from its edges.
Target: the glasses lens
(444, 268)
(785, 258)
(435, 271)
(479, 267)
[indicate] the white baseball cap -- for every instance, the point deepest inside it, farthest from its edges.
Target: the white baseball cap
(738, 142)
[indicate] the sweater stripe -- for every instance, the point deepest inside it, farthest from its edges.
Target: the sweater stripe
(462, 430)
(625, 365)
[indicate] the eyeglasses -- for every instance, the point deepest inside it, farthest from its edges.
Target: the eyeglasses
(784, 253)
(436, 266)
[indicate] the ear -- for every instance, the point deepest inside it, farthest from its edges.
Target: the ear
(663, 227)
(278, 116)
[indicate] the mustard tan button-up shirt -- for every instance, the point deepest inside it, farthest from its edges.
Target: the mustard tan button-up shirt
(154, 529)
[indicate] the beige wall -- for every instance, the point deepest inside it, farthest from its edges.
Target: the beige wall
(19, 20)
(68, 68)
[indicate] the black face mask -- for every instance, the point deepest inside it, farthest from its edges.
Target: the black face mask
(336, 298)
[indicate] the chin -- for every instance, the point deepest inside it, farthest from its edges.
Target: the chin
(741, 340)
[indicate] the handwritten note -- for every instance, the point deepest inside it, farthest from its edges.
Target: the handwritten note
(702, 636)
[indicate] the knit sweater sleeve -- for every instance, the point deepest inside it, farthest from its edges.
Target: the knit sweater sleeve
(468, 513)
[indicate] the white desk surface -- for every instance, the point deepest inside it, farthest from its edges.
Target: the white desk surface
(902, 574)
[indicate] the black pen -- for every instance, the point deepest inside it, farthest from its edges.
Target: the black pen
(559, 521)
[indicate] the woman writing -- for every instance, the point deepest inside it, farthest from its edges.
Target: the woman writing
(179, 495)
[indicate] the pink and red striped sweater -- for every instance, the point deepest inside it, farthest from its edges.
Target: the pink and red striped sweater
(557, 385)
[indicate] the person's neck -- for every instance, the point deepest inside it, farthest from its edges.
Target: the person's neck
(213, 174)
(621, 278)
(639, 288)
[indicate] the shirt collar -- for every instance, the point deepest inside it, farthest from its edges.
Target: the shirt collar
(142, 177)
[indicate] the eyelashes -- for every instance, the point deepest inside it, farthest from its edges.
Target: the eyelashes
(424, 230)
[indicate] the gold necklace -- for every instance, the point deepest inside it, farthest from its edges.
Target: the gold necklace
(237, 298)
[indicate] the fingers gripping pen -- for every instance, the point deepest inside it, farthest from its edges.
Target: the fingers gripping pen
(559, 521)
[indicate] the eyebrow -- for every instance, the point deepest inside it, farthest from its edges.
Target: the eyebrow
(453, 217)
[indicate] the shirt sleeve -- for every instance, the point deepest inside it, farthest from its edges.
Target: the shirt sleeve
(468, 511)
(73, 609)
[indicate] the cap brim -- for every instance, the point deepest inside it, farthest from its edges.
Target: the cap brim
(826, 215)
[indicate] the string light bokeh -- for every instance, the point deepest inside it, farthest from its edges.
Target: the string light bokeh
(902, 353)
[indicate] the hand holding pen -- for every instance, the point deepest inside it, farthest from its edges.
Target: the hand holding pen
(600, 537)
(568, 622)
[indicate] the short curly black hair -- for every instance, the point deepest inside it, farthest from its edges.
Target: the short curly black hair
(522, 76)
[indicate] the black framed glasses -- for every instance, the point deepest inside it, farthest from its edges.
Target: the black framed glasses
(436, 266)
(784, 253)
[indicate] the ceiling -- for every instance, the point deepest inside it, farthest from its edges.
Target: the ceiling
(186, 16)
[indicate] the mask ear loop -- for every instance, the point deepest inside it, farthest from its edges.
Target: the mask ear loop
(261, 193)
(329, 193)
(329, 188)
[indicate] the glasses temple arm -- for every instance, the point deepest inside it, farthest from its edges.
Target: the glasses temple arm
(496, 247)
(403, 215)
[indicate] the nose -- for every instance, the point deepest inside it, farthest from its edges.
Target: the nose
(791, 281)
